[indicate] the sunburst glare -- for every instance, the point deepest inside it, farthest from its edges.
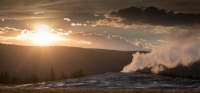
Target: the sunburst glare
(43, 36)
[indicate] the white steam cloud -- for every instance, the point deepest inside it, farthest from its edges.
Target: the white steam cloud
(181, 49)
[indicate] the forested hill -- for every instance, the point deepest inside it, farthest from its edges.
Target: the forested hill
(22, 61)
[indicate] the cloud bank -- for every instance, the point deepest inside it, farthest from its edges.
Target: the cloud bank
(69, 38)
(153, 16)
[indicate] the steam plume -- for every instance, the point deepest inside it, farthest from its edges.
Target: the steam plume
(181, 49)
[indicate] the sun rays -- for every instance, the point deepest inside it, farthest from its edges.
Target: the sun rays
(43, 35)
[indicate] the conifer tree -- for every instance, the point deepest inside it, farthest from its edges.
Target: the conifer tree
(62, 76)
(34, 79)
(6, 78)
(1, 78)
(52, 75)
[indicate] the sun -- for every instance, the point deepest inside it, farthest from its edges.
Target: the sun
(43, 36)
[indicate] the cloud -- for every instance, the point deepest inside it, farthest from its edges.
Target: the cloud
(104, 41)
(162, 41)
(144, 40)
(67, 19)
(76, 24)
(153, 16)
(9, 32)
(117, 23)
(96, 14)
(65, 8)
(23, 10)
(79, 11)
(69, 38)
(84, 42)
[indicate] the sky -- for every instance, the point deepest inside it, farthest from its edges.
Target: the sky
(105, 24)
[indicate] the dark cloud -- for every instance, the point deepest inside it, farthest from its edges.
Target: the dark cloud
(154, 16)
(60, 8)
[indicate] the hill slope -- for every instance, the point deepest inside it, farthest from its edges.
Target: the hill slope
(26, 60)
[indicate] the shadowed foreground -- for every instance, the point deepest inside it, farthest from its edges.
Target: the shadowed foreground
(9, 90)
(118, 81)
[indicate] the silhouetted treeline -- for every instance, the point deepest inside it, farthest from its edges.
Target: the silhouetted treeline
(4, 78)
(77, 74)
(7, 80)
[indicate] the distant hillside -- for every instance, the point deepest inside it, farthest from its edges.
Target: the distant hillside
(27, 60)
